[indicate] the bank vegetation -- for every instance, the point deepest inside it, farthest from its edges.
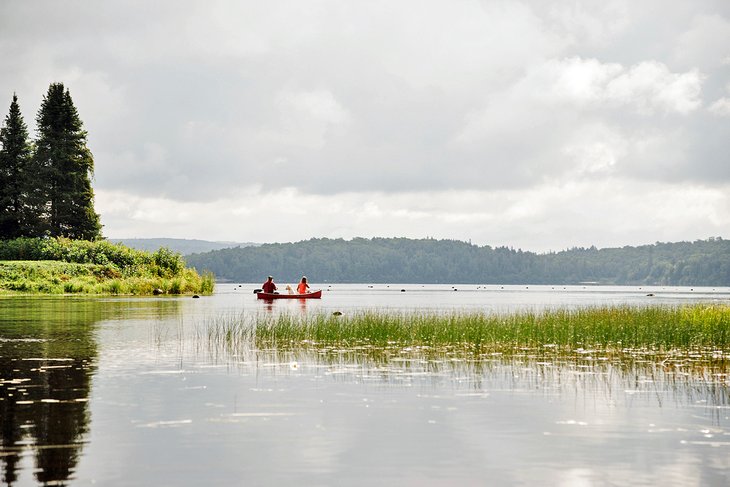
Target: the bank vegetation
(60, 265)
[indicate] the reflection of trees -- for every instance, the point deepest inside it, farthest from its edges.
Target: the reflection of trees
(47, 358)
(60, 427)
(39, 407)
(11, 432)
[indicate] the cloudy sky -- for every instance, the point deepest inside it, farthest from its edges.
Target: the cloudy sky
(534, 124)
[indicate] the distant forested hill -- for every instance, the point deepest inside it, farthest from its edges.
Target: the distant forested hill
(180, 245)
(400, 260)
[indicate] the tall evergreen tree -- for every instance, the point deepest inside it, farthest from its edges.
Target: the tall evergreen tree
(15, 156)
(64, 165)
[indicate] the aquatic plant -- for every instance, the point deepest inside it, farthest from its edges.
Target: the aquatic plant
(680, 346)
(608, 328)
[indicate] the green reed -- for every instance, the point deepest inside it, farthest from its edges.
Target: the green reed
(609, 327)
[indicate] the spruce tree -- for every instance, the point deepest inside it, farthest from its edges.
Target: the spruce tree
(15, 155)
(64, 165)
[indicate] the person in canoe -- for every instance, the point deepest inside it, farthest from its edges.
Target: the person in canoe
(269, 286)
(303, 287)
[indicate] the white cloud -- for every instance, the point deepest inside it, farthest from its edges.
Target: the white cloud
(596, 149)
(589, 22)
(548, 217)
(575, 118)
(706, 44)
(306, 118)
(721, 107)
(646, 87)
(650, 86)
(559, 87)
(362, 110)
(465, 46)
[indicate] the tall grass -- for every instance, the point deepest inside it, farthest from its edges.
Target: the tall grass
(610, 328)
(680, 348)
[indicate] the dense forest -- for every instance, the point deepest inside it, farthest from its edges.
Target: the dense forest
(401, 260)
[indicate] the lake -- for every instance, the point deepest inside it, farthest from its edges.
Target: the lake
(130, 391)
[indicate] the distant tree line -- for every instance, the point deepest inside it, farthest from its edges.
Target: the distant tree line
(45, 184)
(400, 260)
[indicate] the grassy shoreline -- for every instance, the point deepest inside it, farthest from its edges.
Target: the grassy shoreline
(52, 277)
(62, 266)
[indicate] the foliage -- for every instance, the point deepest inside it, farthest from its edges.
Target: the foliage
(56, 277)
(393, 260)
(168, 260)
(208, 283)
(62, 165)
(63, 265)
(78, 251)
(15, 155)
(45, 188)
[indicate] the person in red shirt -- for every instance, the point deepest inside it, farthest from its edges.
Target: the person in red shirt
(303, 287)
(269, 286)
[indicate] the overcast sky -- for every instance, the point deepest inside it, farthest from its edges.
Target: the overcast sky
(534, 124)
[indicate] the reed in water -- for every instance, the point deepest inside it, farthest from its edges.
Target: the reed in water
(699, 326)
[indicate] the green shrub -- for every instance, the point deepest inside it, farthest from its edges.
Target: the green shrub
(170, 263)
(86, 252)
(175, 286)
(60, 265)
(21, 249)
(208, 283)
(72, 287)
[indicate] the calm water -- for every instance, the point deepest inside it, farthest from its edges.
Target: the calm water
(124, 391)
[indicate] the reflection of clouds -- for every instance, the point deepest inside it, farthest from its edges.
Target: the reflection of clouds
(618, 379)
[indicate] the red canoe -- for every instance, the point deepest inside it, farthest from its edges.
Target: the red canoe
(312, 295)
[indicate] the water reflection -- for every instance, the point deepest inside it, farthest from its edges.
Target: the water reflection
(680, 377)
(525, 416)
(172, 403)
(269, 304)
(48, 355)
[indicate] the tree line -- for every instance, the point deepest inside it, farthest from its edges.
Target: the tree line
(45, 184)
(401, 260)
